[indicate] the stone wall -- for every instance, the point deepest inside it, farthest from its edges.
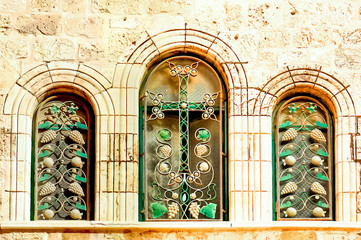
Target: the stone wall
(102, 49)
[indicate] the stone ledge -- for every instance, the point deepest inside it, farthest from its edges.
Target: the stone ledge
(105, 226)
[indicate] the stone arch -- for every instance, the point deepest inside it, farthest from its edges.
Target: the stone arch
(20, 104)
(338, 93)
(338, 98)
(207, 46)
(211, 48)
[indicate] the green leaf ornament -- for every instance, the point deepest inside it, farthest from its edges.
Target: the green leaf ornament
(209, 210)
(80, 206)
(158, 209)
(44, 206)
(203, 135)
(164, 134)
(286, 204)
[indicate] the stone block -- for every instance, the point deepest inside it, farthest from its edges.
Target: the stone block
(9, 75)
(91, 51)
(121, 44)
(274, 38)
(118, 6)
(293, 58)
(321, 56)
(349, 58)
(234, 15)
(43, 5)
(13, 5)
(48, 24)
(91, 27)
(46, 49)
(73, 6)
(128, 22)
(166, 6)
(265, 14)
(16, 49)
(353, 36)
(5, 24)
(317, 13)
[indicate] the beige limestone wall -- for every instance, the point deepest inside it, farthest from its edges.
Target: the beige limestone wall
(102, 49)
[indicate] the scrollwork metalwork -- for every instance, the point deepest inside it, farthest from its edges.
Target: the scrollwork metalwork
(304, 188)
(183, 189)
(61, 180)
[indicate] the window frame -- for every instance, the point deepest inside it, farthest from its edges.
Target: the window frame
(91, 156)
(223, 162)
(275, 157)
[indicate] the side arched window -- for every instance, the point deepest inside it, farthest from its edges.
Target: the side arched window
(303, 160)
(63, 160)
(183, 142)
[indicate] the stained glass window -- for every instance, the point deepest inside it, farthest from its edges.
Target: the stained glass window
(62, 160)
(303, 161)
(182, 104)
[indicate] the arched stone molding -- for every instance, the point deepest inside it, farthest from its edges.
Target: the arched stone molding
(338, 98)
(131, 71)
(20, 105)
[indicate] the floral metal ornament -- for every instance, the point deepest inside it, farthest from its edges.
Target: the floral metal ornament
(184, 181)
(61, 180)
(304, 173)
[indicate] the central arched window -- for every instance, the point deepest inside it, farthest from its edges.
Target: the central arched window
(182, 151)
(303, 161)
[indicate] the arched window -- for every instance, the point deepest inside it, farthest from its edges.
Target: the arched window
(63, 160)
(183, 145)
(303, 161)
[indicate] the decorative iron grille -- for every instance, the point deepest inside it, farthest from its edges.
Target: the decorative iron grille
(183, 141)
(303, 160)
(61, 161)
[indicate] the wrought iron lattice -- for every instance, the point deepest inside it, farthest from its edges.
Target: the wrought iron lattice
(304, 174)
(183, 179)
(61, 184)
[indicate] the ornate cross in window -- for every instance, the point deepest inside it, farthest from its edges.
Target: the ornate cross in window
(186, 188)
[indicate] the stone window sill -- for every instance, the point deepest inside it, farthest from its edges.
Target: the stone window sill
(98, 226)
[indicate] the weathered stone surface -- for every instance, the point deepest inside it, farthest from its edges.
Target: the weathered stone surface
(43, 5)
(317, 13)
(5, 26)
(53, 49)
(167, 6)
(49, 24)
(274, 38)
(234, 17)
(293, 58)
(353, 36)
(13, 5)
(156, 23)
(91, 52)
(118, 6)
(91, 27)
(73, 6)
(38, 24)
(120, 42)
(265, 14)
(128, 22)
(348, 58)
(16, 48)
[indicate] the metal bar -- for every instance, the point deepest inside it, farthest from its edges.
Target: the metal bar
(318, 74)
(153, 42)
